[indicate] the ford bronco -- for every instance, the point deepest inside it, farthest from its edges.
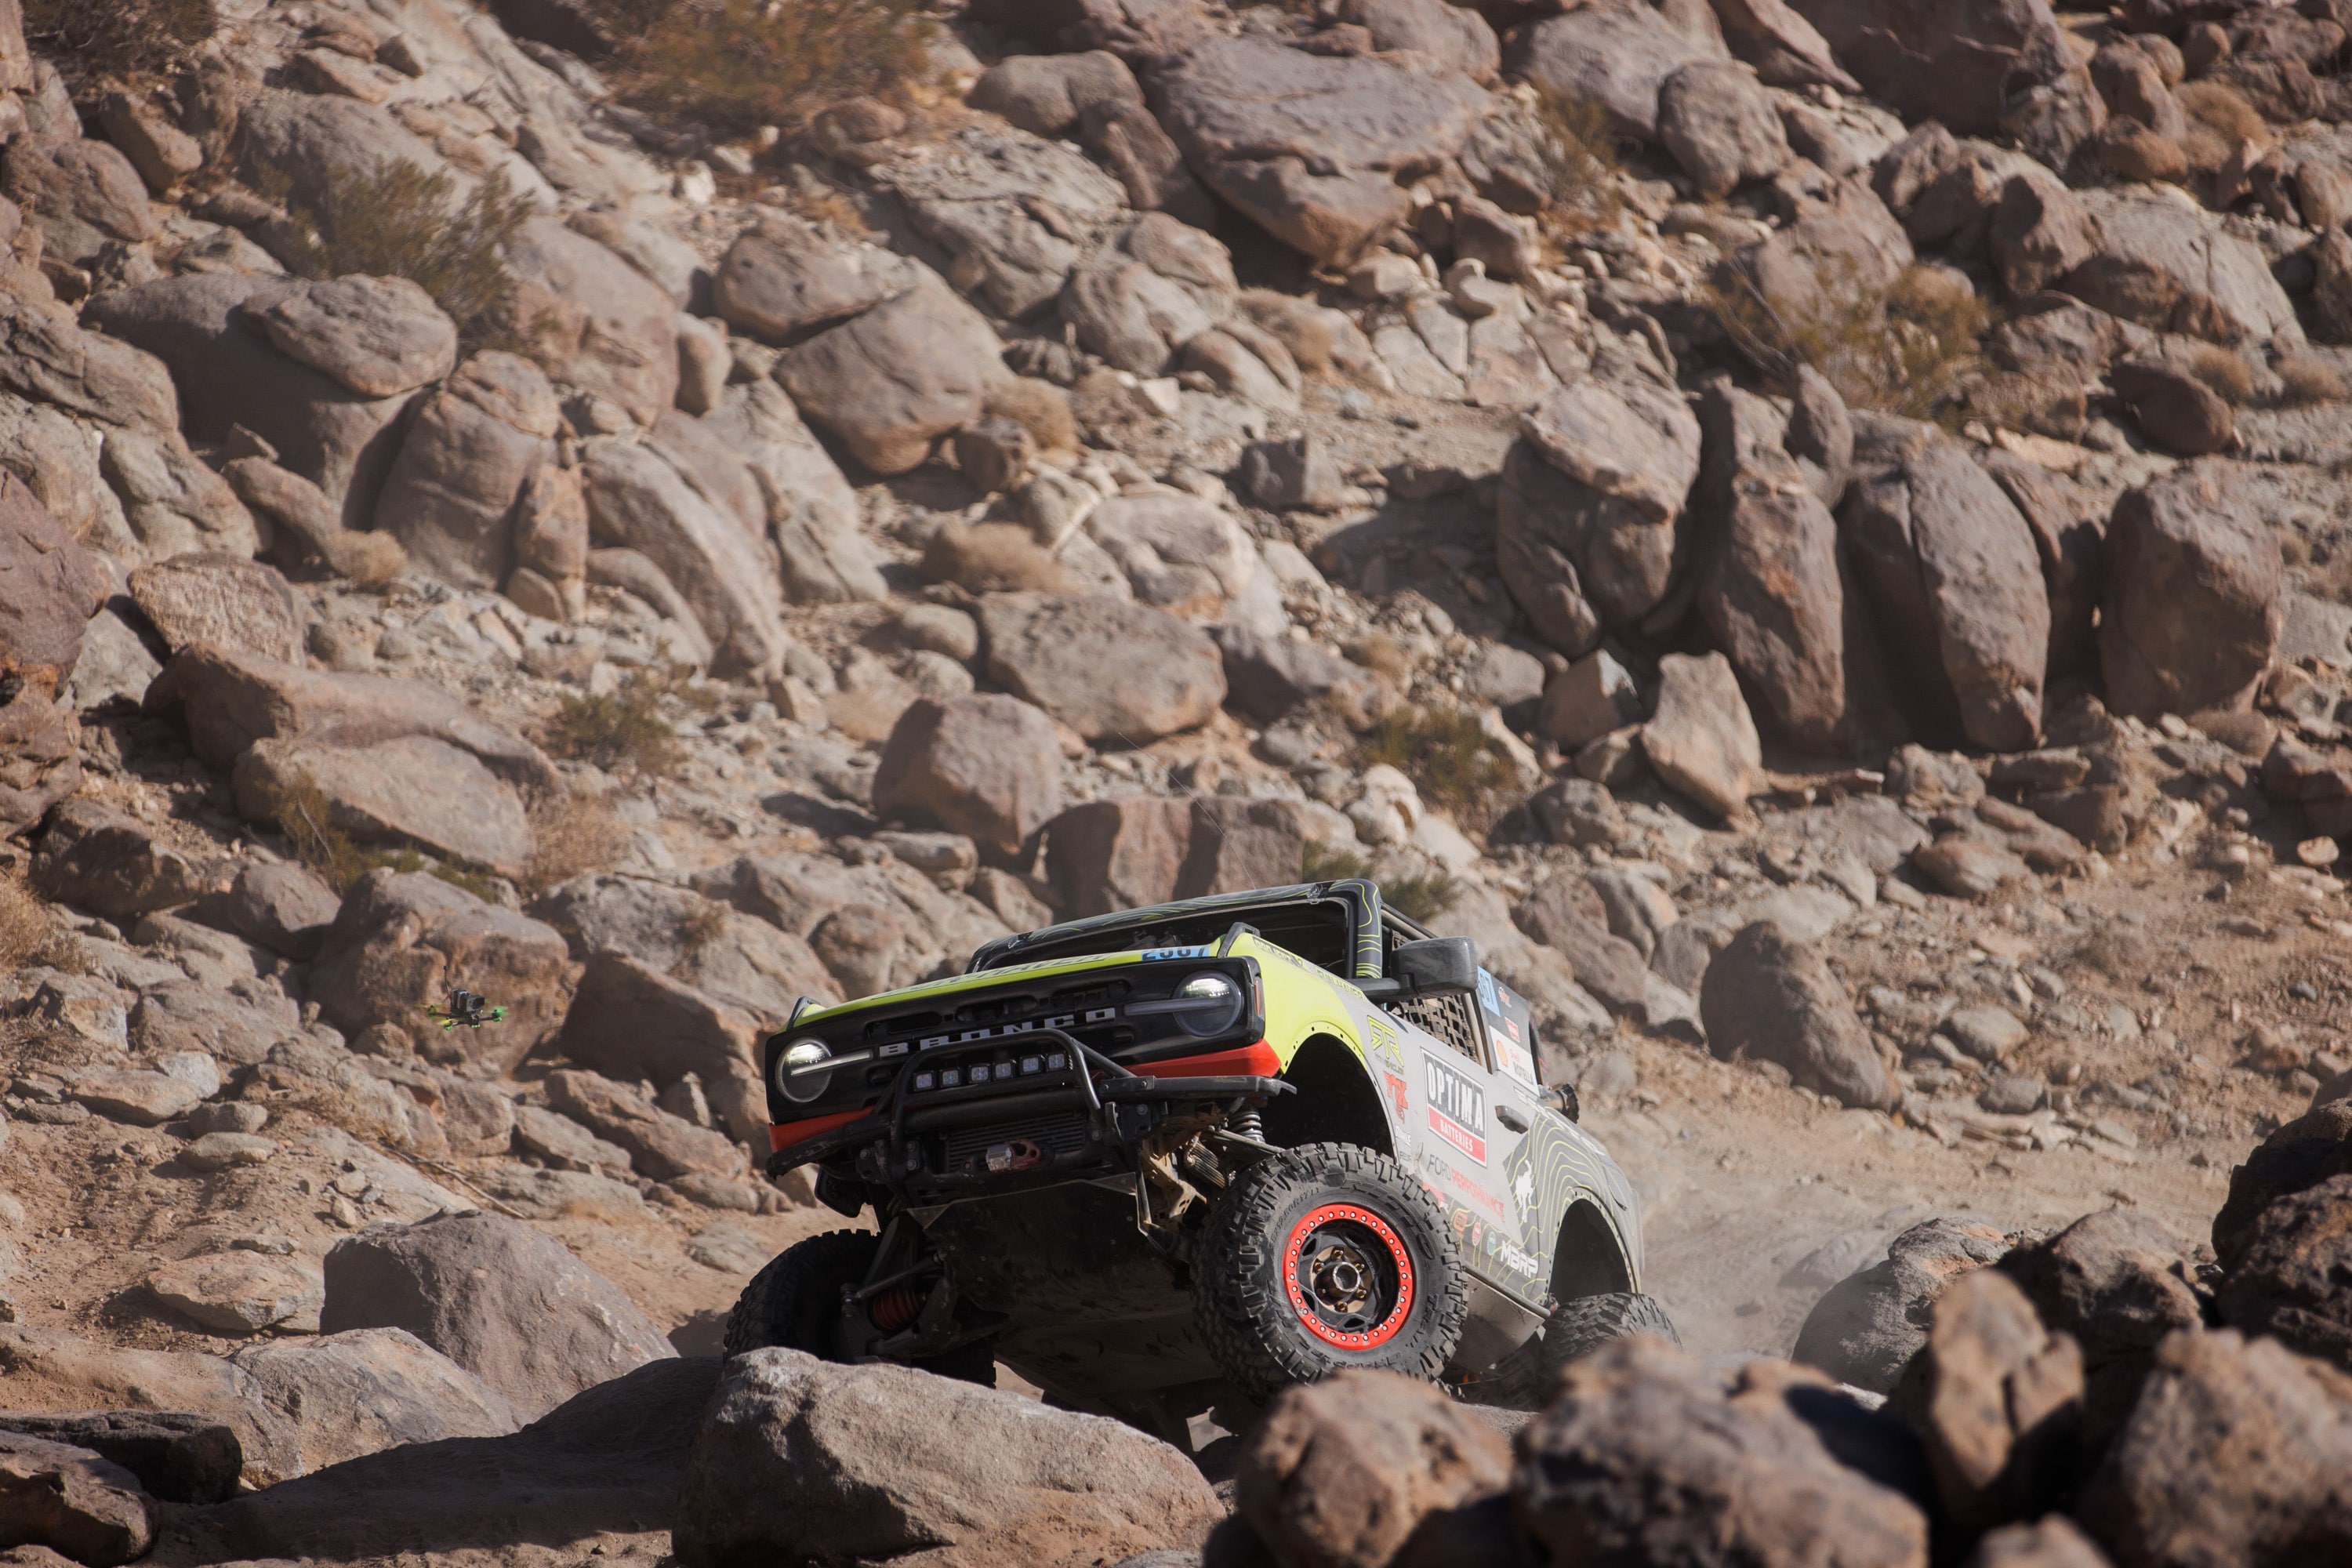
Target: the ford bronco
(1154, 1159)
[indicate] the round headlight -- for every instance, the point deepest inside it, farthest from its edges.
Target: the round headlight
(1210, 986)
(806, 1086)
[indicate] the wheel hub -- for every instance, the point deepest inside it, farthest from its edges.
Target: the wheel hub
(1349, 1277)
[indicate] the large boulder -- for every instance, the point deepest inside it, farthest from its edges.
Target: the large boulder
(1111, 669)
(814, 516)
(234, 603)
(1132, 850)
(49, 588)
(634, 1022)
(1953, 572)
(511, 1306)
(1700, 737)
(1721, 126)
(1997, 1400)
(2070, 526)
(693, 508)
(780, 279)
(407, 790)
(1617, 55)
(78, 1504)
(661, 1145)
(111, 864)
(337, 1396)
(86, 194)
(890, 382)
(1786, 49)
(2292, 1277)
(985, 765)
(1965, 65)
(1317, 150)
(403, 940)
(231, 701)
(1146, 290)
(1346, 1471)
(1592, 494)
(1566, 914)
(176, 1455)
(2192, 614)
(1643, 1456)
(377, 337)
(2172, 268)
(1771, 998)
(2297, 1156)
(2236, 1454)
(804, 1460)
(204, 327)
(470, 453)
(2119, 1282)
(276, 905)
(1869, 1325)
(699, 941)
(876, 926)
(592, 321)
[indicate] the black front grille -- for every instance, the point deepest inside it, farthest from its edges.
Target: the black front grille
(1054, 1135)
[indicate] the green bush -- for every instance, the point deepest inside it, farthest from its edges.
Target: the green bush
(1443, 751)
(403, 221)
(623, 733)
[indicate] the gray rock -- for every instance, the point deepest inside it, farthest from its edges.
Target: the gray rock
(114, 865)
(1147, 290)
(338, 1397)
(509, 1305)
(1701, 738)
(814, 516)
(177, 1457)
(79, 1506)
(54, 586)
(1245, 110)
(1268, 676)
(697, 939)
(86, 194)
(279, 905)
(2176, 411)
(452, 496)
(634, 1022)
(190, 1015)
(1770, 997)
(135, 1096)
(660, 1145)
(1046, 94)
(892, 380)
(1721, 126)
(219, 599)
(238, 1292)
(1867, 1328)
(1618, 55)
(1964, 67)
(2192, 614)
(989, 767)
(1110, 669)
(2171, 268)
(1952, 570)
(1592, 494)
(412, 789)
(801, 1459)
(780, 278)
(564, 1145)
(982, 194)
(1452, 36)
(1785, 48)
(378, 337)
(594, 322)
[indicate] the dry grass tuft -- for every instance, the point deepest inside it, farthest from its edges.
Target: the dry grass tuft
(2308, 379)
(570, 837)
(404, 221)
(2219, 118)
(1585, 157)
(624, 733)
(2226, 374)
(133, 39)
(29, 929)
(744, 64)
(1912, 349)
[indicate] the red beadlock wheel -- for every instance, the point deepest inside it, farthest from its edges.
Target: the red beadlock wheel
(1348, 1276)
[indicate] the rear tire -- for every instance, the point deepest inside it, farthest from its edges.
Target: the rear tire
(794, 1303)
(1577, 1328)
(1325, 1257)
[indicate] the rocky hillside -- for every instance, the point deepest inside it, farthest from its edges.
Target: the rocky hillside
(1816, 532)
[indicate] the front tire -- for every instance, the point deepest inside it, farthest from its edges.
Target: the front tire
(794, 1303)
(1325, 1257)
(1577, 1328)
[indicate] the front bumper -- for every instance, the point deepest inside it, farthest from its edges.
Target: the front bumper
(1082, 1120)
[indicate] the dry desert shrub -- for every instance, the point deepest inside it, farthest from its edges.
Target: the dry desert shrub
(27, 928)
(2307, 379)
(570, 836)
(1585, 158)
(623, 733)
(2226, 374)
(744, 64)
(1910, 349)
(133, 38)
(1443, 751)
(403, 221)
(2219, 118)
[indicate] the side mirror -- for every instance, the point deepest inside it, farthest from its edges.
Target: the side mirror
(1562, 1098)
(1439, 966)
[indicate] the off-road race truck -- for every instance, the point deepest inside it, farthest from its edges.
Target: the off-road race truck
(1156, 1160)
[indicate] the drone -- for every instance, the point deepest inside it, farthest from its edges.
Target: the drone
(465, 1009)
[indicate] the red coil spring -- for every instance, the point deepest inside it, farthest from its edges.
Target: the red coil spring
(894, 1309)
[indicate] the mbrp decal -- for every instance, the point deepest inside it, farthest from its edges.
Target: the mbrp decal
(1457, 1106)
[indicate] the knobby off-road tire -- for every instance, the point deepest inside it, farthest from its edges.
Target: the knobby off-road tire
(1325, 1257)
(1577, 1328)
(795, 1302)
